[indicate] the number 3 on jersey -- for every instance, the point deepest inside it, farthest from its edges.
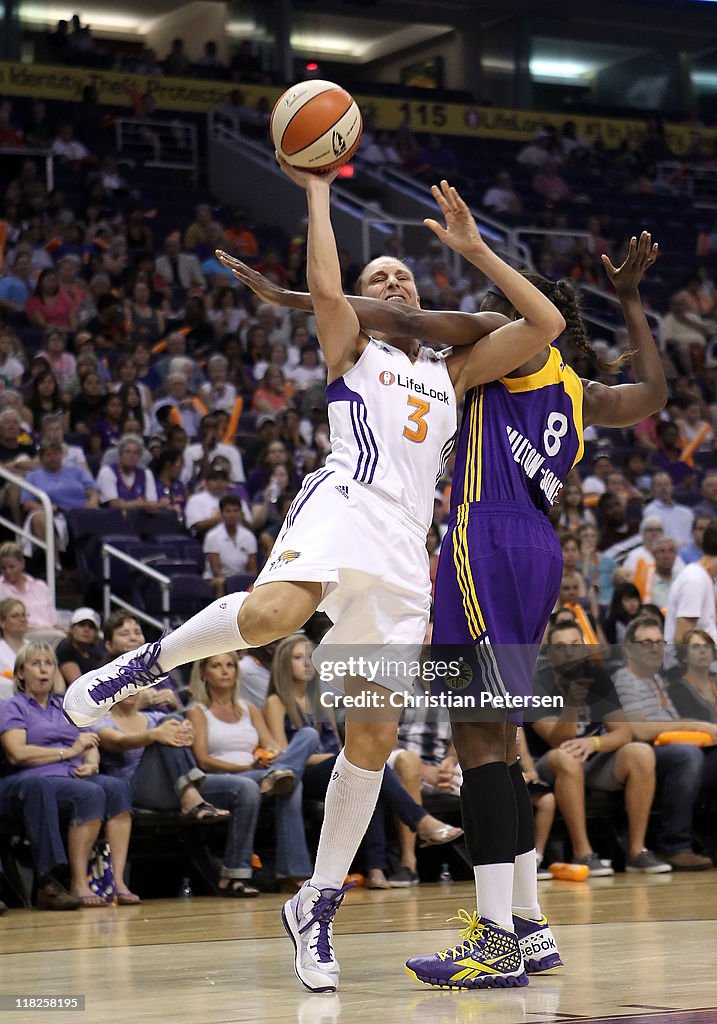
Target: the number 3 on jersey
(418, 419)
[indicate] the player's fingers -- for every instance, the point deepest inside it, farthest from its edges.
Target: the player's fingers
(457, 199)
(452, 197)
(449, 194)
(240, 270)
(231, 261)
(608, 264)
(440, 198)
(233, 265)
(435, 227)
(648, 254)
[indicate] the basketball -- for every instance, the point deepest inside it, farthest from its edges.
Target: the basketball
(316, 126)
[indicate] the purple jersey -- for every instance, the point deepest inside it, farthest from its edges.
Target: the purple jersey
(520, 437)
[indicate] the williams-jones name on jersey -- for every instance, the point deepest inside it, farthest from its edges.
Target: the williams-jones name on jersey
(520, 437)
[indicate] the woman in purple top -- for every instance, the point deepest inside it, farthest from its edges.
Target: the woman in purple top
(153, 754)
(171, 492)
(53, 765)
(107, 430)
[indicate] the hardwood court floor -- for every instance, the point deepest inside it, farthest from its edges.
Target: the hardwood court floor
(636, 948)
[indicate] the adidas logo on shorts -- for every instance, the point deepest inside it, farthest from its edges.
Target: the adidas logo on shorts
(342, 489)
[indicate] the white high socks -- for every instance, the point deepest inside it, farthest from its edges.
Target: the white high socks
(525, 887)
(350, 801)
(494, 887)
(214, 630)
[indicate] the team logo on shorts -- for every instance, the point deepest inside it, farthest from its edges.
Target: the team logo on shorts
(386, 377)
(462, 679)
(287, 556)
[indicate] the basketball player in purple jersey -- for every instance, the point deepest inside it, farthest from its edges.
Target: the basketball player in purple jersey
(354, 541)
(498, 580)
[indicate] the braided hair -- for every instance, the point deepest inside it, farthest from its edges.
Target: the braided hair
(566, 300)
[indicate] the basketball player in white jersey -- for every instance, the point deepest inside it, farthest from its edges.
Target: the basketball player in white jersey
(353, 542)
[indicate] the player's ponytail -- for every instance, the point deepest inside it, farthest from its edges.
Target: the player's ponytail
(564, 297)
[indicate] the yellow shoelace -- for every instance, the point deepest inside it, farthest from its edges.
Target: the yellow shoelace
(470, 933)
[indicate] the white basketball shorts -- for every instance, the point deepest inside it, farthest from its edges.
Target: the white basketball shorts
(369, 556)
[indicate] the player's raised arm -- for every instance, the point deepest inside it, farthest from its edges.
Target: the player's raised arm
(506, 348)
(337, 325)
(396, 319)
(623, 405)
(266, 289)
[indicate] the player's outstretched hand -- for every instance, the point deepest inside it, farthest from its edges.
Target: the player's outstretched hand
(305, 178)
(267, 290)
(640, 255)
(461, 231)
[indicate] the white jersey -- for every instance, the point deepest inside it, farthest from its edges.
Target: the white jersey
(393, 424)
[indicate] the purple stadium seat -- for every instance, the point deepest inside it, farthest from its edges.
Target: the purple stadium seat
(188, 594)
(183, 547)
(238, 582)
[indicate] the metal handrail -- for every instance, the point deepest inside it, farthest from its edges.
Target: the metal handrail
(503, 237)
(109, 551)
(48, 544)
(368, 212)
(218, 129)
(130, 131)
(492, 227)
(526, 229)
(372, 217)
(650, 314)
(44, 154)
(697, 181)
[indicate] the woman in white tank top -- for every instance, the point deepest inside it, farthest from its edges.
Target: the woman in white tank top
(234, 746)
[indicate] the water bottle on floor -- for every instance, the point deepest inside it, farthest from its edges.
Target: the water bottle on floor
(185, 890)
(569, 872)
(445, 877)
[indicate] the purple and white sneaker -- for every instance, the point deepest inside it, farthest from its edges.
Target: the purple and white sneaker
(92, 695)
(487, 957)
(537, 944)
(308, 919)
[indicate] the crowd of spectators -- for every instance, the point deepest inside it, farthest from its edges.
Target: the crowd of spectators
(202, 751)
(73, 43)
(139, 375)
